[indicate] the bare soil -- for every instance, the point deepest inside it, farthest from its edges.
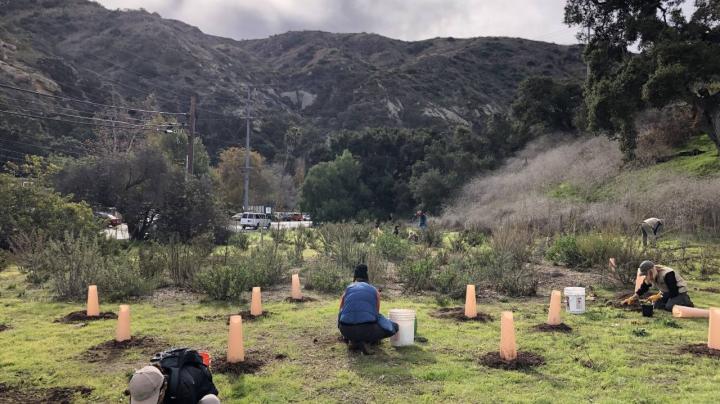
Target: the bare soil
(253, 363)
(552, 277)
(524, 360)
(328, 340)
(245, 314)
(711, 290)
(562, 327)
(700, 350)
(304, 299)
(4, 327)
(458, 314)
(61, 395)
(81, 317)
(111, 350)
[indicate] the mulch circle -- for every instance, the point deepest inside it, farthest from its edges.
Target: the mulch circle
(700, 350)
(253, 363)
(81, 316)
(112, 349)
(304, 299)
(62, 395)
(4, 327)
(245, 314)
(562, 327)
(328, 340)
(458, 314)
(524, 360)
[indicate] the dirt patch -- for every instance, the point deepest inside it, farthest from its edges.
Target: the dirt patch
(111, 350)
(246, 316)
(4, 327)
(81, 317)
(304, 299)
(458, 314)
(562, 327)
(327, 340)
(62, 395)
(711, 290)
(524, 360)
(253, 363)
(552, 277)
(700, 350)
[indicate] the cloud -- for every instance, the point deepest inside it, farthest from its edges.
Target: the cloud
(402, 19)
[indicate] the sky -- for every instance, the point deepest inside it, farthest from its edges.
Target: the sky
(401, 19)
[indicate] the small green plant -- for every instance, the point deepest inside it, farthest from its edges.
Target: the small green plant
(267, 265)
(473, 237)
(241, 241)
(640, 332)
(668, 322)
(432, 236)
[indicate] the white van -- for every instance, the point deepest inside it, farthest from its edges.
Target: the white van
(253, 220)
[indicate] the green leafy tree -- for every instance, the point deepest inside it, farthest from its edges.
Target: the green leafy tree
(334, 191)
(431, 188)
(679, 61)
(543, 104)
(28, 205)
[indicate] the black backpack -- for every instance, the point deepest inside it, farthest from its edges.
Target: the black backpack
(188, 379)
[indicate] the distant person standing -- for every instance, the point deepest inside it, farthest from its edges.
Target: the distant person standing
(651, 227)
(422, 220)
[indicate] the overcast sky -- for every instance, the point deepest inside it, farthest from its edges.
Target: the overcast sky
(401, 19)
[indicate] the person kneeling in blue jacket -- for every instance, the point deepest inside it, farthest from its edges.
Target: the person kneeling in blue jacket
(360, 321)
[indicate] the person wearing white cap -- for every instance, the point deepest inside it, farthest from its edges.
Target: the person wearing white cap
(672, 286)
(148, 386)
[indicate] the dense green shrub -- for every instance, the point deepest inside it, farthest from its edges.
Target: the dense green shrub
(339, 241)
(74, 262)
(508, 271)
(300, 239)
(241, 241)
(325, 275)
(224, 282)
(392, 247)
(416, 274)
(432, 236)
(564, 250)
(378, 269)
(473, 237)
(461, 270)
(267, 265)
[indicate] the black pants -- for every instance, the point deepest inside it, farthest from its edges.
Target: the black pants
(666, 303)
(368, 332)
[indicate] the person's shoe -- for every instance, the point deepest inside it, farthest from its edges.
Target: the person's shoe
(354, 346)
(364, 349)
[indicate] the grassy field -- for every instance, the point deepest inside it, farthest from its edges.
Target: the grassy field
(606, 358)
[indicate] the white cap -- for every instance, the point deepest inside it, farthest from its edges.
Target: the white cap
(145, 385)
(209, 399)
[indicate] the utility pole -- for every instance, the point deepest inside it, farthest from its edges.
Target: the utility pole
(191, 137)
(246, 199)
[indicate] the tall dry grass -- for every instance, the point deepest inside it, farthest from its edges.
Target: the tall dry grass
(596, 193)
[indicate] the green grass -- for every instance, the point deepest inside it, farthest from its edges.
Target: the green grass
(705, 164)
(603, 360)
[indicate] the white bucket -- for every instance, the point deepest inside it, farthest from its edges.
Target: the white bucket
(574, 300)
(405, 319)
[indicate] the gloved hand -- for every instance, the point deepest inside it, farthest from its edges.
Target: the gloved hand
(655, 298)
(630, 300)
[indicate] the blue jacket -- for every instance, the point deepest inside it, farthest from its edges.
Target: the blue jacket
(361, 307)
(361, 304)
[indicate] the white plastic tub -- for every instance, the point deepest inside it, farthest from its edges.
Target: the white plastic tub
(574, 300)
(405, 319)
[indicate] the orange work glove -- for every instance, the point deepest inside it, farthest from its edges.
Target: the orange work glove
(630, 300)
(655, 298)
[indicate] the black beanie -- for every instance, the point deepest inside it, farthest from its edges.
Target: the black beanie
(361, 272)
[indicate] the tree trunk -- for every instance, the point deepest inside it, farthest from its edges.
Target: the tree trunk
(714, 127)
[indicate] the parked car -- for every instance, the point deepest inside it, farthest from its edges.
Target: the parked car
(306, 217)
(109, 219)
(253, 220)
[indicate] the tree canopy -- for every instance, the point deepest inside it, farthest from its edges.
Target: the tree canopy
(679, 61)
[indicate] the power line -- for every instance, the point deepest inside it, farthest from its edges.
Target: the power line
(70, 99)
(92, 119)
(47, 148)
(64, 108)
(81, 123)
